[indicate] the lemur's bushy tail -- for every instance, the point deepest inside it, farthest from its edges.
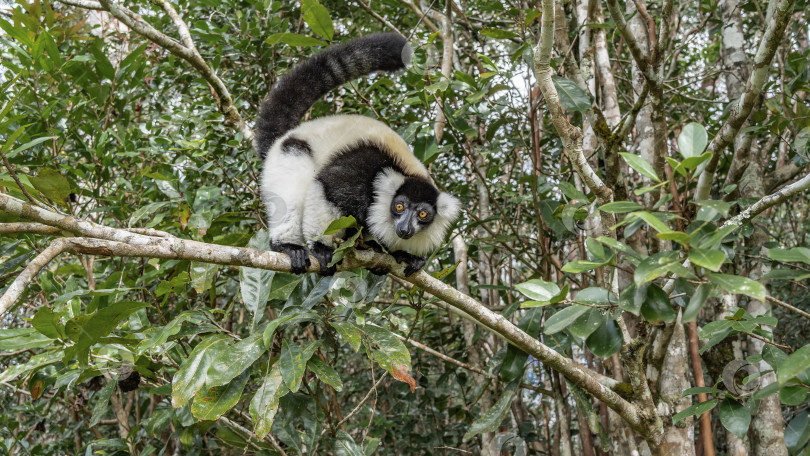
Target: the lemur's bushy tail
(308, 81)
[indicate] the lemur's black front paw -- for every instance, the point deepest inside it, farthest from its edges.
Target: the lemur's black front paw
(413, 263)
(323, 253)
(299, 256)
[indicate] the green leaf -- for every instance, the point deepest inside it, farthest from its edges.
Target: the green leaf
(796, 254)
(317, 18)
(13, 339)
(794, 364)
(710, 259)
(621, 207)
(563, 318)
(578, 266)
(641, 166)
(515, 358)
(586, 324)
(491, 419)
(698, 390)
(293, 362)
(349, 332)
(325, 373)
(693, 162)
(677, 236)
(497, 33)
(697, 301)
(102, 399)
(797, 432)
(654, 266)
(651, 220)
(388, 351)
(695, 409)
(297, 317)
(191, 376)
(52, 184)
(739, 285)
(571, 96)
(283, 286)
(793, 395)
(735, 417)
(594, 295)
(86, 330)
(538, 290)
(233, 360)
(692, 140)
(47, 322)
(293, 39)
(264, 405)
(606, 340)
(202, 275)
(657, 307)
(340, 224)
(211, 403)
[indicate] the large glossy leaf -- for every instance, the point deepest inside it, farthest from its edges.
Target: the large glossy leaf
(641, 166)
(606, 340)
(264, 405)
(515, 358)
(739, 285)
(797, 432)
(794, 364)
(538, 290)
(47, 322)
(692, 140)
(563, 318)
(211, 403)
(620, 207)
(293, 362)
(192, 373)
(571, 96)
(697, 301)
(349, 332)
(657, 307)
(325, 373)
(235, 359)
(292, 318)
(13, 339)
(710, 259)
(654, 266)
(293, 39)
(492, 418)
(734, 416)
(102, 402)
(202, 275)
(387, 351)
(586, 324)
(796, 254)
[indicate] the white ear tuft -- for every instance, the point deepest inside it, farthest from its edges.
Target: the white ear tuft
(448, 206)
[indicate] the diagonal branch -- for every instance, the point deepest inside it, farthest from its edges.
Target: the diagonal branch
(742, 107)
(185, 50)
(769, 201)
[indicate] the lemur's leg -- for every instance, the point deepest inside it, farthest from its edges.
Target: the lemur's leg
(288, 171)
(318, 214)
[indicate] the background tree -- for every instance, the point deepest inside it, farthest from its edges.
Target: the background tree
(629, 276)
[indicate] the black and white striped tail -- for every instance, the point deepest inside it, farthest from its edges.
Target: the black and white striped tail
(308, 81)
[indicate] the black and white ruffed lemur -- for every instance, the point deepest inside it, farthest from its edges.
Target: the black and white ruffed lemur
(327, 168)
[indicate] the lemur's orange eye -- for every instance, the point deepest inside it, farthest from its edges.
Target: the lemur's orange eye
(400, 207)
(422, 214)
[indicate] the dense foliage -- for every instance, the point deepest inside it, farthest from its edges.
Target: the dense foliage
(664, 290)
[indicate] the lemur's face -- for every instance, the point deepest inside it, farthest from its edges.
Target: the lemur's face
(410, 217)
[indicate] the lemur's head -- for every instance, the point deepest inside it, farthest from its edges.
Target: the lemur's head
(417, 215)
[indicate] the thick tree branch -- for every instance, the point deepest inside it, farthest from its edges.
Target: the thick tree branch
(742, 107)
(641, 58)
(769, 201)
(185, 50)
(18, 286)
